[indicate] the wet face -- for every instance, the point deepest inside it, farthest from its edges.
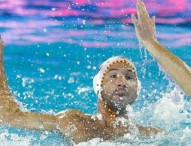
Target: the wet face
(119, 86)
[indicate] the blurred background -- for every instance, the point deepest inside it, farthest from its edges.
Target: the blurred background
(44, 16)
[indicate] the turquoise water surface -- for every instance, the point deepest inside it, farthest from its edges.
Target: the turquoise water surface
(50, 64)
(49, 78)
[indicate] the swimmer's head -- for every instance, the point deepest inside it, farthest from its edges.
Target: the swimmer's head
(116, 83)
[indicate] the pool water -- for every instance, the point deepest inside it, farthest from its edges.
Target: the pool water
(50, 63)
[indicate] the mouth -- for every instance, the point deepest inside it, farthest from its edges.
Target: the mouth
(121, 92)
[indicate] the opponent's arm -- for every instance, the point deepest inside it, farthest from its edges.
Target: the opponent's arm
(10, 113)
(174, 66)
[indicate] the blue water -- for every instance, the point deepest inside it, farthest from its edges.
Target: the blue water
(50, 63)
(52, 77)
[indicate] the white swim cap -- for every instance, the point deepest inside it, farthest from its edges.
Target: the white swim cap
(98, 78)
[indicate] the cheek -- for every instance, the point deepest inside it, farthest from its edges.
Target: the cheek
(133, 85)
(109, 86)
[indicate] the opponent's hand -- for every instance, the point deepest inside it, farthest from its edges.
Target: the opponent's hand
(144, 25)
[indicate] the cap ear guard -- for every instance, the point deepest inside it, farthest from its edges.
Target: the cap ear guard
(138, 87)
(96, 85)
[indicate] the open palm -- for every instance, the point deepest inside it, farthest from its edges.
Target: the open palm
(144, 25)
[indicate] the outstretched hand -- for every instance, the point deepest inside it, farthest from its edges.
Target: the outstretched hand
(144, 25)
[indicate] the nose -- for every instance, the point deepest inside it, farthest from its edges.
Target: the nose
(122, 82)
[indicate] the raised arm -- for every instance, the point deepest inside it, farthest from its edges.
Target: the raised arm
(4, 90)
(174, 66)
(10, 113)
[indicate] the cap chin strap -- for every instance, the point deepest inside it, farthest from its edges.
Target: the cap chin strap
(112, 114)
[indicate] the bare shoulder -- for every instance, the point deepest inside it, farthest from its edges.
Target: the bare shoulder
(78, 126)
(72, 115)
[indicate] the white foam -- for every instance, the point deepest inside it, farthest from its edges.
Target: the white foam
(14, 139)
(165, 113)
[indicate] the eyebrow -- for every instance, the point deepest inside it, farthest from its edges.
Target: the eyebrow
(113, 69)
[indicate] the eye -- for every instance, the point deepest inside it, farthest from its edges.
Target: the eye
(128, 77)
(113, 76)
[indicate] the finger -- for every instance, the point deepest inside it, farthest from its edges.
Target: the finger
(139, 9)
(140, 13)
(135, 22)
(144, 17)
(144, 10)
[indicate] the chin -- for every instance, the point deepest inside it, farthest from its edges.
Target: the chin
(126, 101)
(120, 107)
(130, 100)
